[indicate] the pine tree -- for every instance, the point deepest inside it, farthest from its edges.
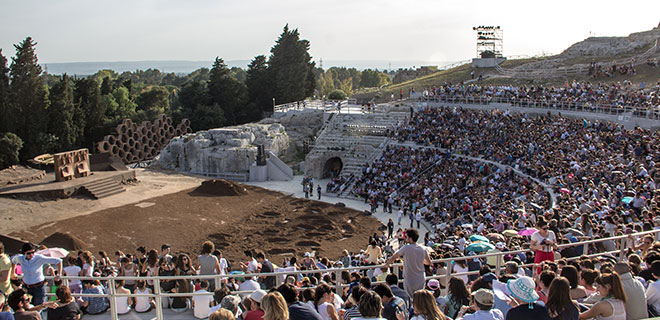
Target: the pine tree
(90, 112)
(5, 116)
(29, 98)
(291, 68)
(227, 92)
(258, 84)
(61, 121)
(106, 86)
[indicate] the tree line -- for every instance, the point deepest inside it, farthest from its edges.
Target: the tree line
(338, 81)
(41, 113)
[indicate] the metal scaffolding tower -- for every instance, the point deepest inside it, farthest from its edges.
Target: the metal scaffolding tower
(490, 41)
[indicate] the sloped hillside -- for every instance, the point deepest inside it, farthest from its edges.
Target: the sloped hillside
(571, 64)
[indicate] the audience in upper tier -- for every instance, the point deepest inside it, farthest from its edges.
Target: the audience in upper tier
(590, 95)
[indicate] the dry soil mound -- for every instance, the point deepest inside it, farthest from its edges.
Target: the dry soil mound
(220, 187)
(63, 240)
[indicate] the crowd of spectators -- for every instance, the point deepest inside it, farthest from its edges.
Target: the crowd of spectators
(337, 184)
(596, 70)
(590, 95)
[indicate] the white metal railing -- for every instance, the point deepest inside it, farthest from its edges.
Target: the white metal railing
(158, 294)
(233, 176)
(325, 105)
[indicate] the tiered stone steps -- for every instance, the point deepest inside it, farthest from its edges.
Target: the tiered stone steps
(103, 188)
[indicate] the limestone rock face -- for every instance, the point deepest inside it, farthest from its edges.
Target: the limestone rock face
(611, 46)
(301, 126)
(222, 150)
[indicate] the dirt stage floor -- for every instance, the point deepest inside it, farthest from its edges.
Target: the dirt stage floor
(235, 220)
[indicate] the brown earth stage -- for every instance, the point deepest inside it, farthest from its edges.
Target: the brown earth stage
(255, 218)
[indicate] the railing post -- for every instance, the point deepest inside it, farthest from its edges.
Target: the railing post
(396, 271)
(622, 248)
(113, 299)
(585, 249)
(498, 264)
(338, 281)
(278, 281)
(159, 303)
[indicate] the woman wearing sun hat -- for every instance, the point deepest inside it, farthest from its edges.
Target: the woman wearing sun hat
(524, 301)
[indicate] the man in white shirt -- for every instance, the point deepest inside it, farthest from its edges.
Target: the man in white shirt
(635, 296)
(224, 266)
(202, 303)
(653, 291)
(251, 266)
(248, 285)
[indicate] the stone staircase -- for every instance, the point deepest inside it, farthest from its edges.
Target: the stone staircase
(367, 149)
(355, 138)
(103, 188)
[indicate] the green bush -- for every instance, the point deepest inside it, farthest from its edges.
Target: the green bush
(337, 95)
(10, 144)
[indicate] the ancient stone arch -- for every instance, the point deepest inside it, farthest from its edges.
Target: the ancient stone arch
(333, 164)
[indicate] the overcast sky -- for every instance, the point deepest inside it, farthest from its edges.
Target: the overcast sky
(425, 30)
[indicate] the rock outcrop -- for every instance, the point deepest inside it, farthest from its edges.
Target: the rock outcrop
(223, 150)
(611, 46)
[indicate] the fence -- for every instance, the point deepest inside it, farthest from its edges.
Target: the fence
(325, 105)
(545, 104)
(233, 176)
(158, 294)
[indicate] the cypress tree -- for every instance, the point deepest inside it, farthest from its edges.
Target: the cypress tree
(258, 84)
(29, 95)
(90, 112)
(61, 112)
(4, 95)
(291, 67)
(227, 92)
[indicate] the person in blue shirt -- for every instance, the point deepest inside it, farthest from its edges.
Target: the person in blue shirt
(33, 275)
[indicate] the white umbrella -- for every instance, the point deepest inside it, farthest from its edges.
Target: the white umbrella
(54, 252)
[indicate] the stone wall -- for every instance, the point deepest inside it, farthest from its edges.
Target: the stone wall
(223, 150)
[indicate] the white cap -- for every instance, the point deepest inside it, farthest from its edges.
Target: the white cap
(257, 295)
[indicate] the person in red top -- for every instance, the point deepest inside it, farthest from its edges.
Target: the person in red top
(256, 312)
(544, 242)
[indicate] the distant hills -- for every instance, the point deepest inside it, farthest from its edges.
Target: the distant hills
(185, 67)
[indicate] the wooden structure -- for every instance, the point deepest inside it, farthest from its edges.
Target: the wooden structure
(71, 164)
